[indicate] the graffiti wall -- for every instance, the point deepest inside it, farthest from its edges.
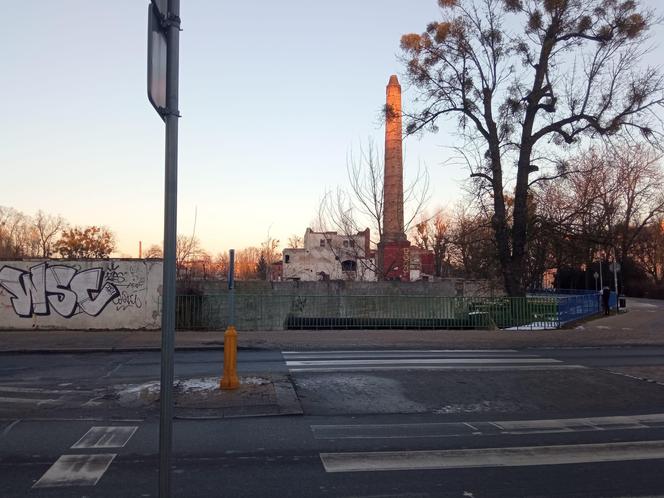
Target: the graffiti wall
(80, 295)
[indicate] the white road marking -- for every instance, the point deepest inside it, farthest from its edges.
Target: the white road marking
(30, 401)
(32, 390)
(408, 359)
(75, 470)
(451, 429)
(415, 351)
(420, 361)
(106, 437)
(491, 457)
(505, 368)
(8, 429)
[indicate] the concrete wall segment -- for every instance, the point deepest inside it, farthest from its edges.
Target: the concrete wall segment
(91, 294)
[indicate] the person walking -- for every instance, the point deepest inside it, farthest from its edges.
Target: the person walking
(606, 294)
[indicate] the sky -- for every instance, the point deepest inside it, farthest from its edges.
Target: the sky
(274, 96)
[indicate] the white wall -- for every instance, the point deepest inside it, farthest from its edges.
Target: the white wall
(80, 295)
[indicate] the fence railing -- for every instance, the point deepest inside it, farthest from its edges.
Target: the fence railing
(278, 312)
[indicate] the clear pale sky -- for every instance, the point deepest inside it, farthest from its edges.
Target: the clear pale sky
(273, 95)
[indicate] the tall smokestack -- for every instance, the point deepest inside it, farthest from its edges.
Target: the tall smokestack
(393, 224)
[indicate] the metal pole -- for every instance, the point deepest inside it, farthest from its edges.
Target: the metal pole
(231, 288)
(601, 279)
(170, 236)
(615, 280)
(230, 380)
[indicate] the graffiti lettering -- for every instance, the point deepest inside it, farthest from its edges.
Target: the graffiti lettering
(127, 300)
(298, 304)
(60, 288)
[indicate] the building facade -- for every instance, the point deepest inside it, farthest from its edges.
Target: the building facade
(330, 256)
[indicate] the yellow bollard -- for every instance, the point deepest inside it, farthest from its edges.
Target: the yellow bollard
(230, 379)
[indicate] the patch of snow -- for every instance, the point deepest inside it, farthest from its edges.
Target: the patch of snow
(256, 381)
(533, 327)
(483, 406)
(147, 387)
(212, 383)
(196, 385)
(193, 385)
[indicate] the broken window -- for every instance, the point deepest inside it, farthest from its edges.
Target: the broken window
(348, 265)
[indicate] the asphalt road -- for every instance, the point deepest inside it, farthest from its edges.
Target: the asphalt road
(552, 422)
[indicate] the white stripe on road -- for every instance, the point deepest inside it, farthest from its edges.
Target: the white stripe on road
(33, 401)
(32, 390)
(413, 351)
(422, 361)
(75, 470)
(106, 437)
(506, 368)
(491, 457)
(405, 356)
(449, 429)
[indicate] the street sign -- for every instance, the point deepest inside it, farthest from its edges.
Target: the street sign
(157, 54)
(596, 275)
(614, 268)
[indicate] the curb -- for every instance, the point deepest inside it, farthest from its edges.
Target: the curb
(146, 349)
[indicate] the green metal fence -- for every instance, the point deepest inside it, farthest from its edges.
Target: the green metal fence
(279, 312)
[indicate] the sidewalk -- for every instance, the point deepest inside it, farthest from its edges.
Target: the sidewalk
(642, 325)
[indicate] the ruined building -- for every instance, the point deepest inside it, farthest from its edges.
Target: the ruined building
(330, 256)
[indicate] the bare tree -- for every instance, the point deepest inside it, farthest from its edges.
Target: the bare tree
(186, 248)
(295, 241)
(525, 78)
(18, 238)
(47, 227)
(435, 234)
(351, 210)
(154, 252)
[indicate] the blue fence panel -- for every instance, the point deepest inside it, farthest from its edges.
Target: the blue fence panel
(572, 308)
(576, 304)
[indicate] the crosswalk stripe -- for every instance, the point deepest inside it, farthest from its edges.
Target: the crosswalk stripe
(491, 457)
(357, 360)
(469, 368)
(86, 470)
(419, 361)
(75, 470)
(415, 351)
(106, 437)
